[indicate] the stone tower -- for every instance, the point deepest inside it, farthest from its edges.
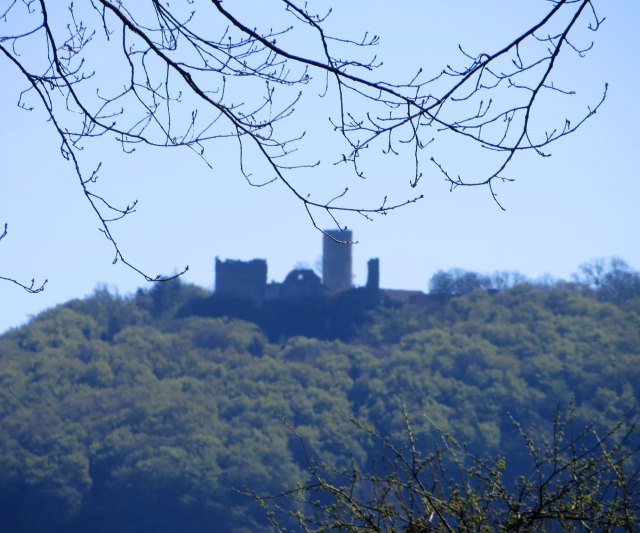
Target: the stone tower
(373, 274)
(336, 260)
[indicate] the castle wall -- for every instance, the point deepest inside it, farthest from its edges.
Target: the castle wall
(246, 280)
(300, 284)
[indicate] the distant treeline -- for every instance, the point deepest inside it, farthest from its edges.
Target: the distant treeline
(610, 280)
(130, 414)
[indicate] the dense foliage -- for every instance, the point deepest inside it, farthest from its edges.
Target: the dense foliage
(122, 414)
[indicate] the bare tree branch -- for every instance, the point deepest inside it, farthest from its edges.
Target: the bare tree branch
(578, 481)
(32, 287)
(193, 73)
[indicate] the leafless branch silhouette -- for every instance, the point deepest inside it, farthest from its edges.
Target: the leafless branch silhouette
(32, 287)
(191, 73)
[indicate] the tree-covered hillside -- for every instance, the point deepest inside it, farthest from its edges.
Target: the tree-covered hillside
(124, 414)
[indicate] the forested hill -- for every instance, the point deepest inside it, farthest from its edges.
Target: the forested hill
(122, 414)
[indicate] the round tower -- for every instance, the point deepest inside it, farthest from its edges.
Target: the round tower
(336, 259)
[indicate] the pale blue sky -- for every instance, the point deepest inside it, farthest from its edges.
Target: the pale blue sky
(579, 204)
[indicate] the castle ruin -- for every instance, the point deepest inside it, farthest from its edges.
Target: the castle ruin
(247, 280)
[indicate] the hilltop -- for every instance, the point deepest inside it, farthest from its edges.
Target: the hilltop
(132, 414)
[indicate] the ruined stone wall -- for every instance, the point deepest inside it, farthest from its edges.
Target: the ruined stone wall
(300, 284)
(246, 280)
